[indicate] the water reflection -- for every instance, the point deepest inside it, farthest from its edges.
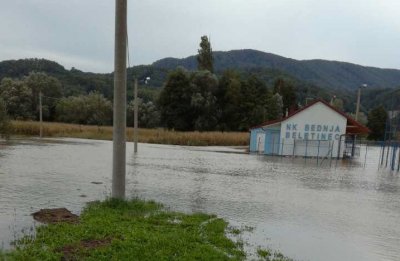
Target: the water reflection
(310, 211)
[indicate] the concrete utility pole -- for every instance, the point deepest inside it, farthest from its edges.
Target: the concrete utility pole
(136, 108)
(358, 99)
(119, 127)
(40, 114)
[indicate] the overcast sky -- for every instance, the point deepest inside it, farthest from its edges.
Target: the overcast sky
(80, 33)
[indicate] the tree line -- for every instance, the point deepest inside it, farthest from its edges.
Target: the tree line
(202, 101)
(197, 100)
(190, 100)
(20, 101)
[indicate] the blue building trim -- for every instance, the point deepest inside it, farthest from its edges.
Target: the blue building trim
(272, 139)
(253, 139)
(272, 142)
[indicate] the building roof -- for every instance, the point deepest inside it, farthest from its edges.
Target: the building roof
(353, 126)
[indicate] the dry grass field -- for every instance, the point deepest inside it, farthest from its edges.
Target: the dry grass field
(159, 136)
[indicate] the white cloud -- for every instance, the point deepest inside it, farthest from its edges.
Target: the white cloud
(81, 33)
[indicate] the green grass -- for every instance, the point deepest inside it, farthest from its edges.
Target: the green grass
(130, 230)
(269, 255)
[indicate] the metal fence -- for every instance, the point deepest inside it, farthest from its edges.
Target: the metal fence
(326, 152)
(390, 155)
(321, 152)
(309, 148)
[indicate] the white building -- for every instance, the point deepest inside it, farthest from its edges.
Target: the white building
(316, 130)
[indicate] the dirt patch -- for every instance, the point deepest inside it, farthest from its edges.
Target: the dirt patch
(70, 252)
(55, 215)
(90, 244)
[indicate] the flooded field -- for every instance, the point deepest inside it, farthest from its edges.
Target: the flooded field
(337, 211)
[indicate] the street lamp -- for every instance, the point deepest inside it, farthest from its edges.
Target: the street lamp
(363, 86)
(136, 113)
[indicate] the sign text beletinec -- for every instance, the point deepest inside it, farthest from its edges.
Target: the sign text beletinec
(313, 132)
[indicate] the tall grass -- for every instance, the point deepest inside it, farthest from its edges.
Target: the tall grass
(159, 136)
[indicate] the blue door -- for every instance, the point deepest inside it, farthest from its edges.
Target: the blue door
(272, 142)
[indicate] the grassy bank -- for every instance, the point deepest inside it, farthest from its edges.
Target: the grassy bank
(159, 136)
(133, 230)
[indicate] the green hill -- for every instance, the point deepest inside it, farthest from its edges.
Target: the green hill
(75, 82)
(332, 74)
(312, 78)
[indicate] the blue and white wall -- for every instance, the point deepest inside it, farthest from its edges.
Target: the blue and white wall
(266, 139)
(313, 132)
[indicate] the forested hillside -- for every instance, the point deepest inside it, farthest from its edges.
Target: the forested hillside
(246, 87)
(330, 74)
(76, 82)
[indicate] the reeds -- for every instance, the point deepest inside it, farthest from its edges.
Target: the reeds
(159, 136)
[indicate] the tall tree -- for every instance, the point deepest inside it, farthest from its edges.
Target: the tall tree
(229, 99)
(377, 118)
(149, 115)
(18, 99)
(254, 100)
(204, 101)
(91, 109)
(205, 57)
(175, 101)
(51, 89)
(4, 120)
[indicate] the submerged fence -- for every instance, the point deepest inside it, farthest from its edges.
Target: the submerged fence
(321, 150)
(329, 153)
(390, 155)
(310, 148)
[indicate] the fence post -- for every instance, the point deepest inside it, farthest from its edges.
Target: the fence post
(273, 145)
(319, 144)
(398, 163)
(330, 163)
(305, 156)
(366, 152)
(294, 147)
(387, 153)
(393, 160)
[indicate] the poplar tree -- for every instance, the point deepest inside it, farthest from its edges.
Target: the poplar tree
(205, 57)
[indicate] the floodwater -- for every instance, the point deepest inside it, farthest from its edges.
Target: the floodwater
(338, 211)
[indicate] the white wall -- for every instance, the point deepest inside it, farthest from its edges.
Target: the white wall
(316, 127)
